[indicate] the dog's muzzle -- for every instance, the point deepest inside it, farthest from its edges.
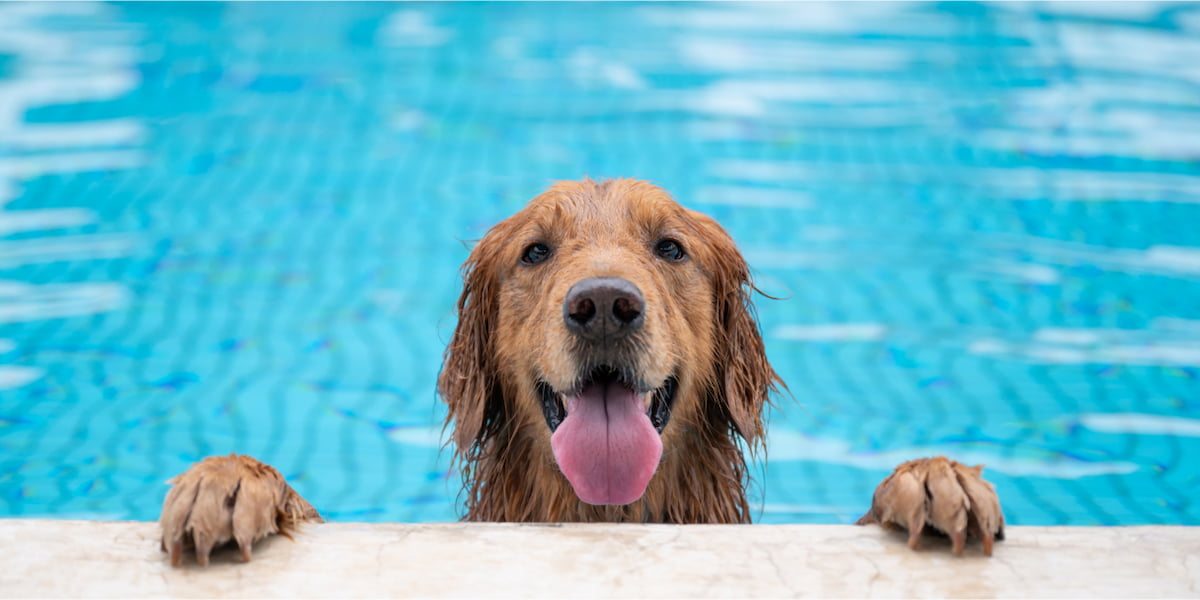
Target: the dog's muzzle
(606, 426)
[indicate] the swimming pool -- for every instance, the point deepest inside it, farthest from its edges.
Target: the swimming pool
(237, 228)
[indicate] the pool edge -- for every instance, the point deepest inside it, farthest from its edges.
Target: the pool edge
(51, 558)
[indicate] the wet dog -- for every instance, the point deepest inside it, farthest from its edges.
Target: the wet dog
(606, 366)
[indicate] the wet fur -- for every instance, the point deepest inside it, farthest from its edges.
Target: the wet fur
(700, 326)
(941, 495)
(225, 499)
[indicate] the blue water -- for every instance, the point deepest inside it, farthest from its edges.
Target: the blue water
(238, 227)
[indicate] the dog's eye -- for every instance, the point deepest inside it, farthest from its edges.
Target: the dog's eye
(669, 249)
(535, 253)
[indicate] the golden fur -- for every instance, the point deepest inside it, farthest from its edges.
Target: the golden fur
(226, 499)
(696, 328)
(699, 324)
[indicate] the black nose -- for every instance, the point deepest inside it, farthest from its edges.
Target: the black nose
(603, 309)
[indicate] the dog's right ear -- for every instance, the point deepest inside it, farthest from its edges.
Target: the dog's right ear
(468, 382)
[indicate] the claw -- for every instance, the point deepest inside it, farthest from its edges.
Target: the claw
(204, 546)
(951, 497)
(245, 545)
(228, 498)
(959, 539)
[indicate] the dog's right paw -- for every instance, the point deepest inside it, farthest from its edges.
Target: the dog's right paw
(228, 498)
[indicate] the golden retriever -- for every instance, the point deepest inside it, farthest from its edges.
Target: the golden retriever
(606, 366)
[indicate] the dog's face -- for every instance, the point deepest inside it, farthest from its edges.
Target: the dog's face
(604, 304)
(604, 308)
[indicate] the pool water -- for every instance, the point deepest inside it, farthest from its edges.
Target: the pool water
(237, 228)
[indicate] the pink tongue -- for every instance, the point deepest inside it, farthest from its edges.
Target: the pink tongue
(607, 447)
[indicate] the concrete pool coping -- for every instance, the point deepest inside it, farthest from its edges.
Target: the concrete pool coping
(50, 558)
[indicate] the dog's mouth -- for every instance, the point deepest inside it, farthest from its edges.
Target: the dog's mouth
(658, 400)
(606, 433)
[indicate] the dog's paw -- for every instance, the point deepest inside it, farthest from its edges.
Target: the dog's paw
(228, 498)
(948, 496)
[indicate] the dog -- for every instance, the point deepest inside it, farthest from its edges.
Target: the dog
(606, 366)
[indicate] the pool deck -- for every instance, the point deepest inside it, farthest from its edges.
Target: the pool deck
(44, 558)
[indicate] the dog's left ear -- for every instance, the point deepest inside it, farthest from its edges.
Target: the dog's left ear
(746, 375)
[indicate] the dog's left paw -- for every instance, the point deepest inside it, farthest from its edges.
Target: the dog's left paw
(948, 496)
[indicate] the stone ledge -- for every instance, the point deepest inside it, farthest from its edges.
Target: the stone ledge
(47, 558)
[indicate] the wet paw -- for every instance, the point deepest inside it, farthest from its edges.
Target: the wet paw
(945, 495)
(228, 498)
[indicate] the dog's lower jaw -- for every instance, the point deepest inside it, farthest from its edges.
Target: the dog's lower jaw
(605, 432)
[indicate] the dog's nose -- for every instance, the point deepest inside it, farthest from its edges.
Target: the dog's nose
(603, 309)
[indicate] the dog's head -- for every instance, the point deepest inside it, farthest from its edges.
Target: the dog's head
(608, 322)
